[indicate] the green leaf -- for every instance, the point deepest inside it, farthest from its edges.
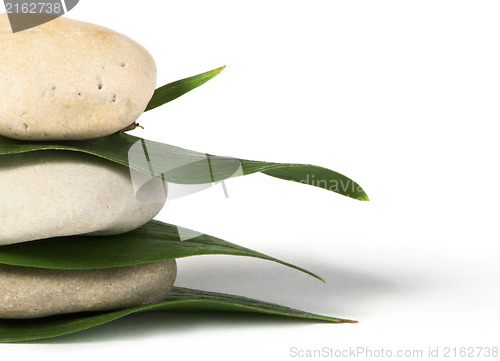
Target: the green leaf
(155, 241)
(179, 300)
(172, 91)
(182, 166)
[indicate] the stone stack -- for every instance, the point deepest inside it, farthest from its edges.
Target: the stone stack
(68, 80)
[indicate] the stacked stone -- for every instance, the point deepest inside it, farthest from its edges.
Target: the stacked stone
(68, 80)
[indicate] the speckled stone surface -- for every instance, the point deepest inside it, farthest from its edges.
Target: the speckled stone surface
(27, 292)
(67, 79)
(60, 193)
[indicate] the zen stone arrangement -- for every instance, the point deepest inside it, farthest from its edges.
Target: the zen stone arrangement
(78, 243)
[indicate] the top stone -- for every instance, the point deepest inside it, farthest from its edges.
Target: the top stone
(70, 80)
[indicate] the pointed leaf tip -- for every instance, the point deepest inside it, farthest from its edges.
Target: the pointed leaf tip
(174, 90)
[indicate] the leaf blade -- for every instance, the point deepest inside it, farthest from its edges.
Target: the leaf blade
(183, 166)
(153, 242)
(179, 299)
(174, 90)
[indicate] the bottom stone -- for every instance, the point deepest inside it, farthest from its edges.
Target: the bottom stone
(27, 292)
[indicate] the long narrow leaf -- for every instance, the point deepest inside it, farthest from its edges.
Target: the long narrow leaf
(178, 88)
(182, 166)
(155, 241)
(179, 300)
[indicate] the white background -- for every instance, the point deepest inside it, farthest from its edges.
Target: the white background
(401, 96)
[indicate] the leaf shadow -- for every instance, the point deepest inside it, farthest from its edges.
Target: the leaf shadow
(346, 294)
